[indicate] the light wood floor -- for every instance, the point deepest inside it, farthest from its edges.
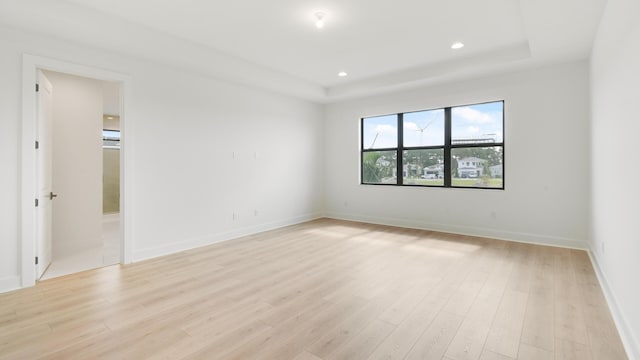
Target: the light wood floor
(325, 289)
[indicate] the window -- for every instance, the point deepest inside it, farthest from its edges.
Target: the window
(110, 139)
(380, 134)
(458, 146)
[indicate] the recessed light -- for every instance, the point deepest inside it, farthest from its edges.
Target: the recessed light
(342, 74)
(319, 19)
(457, 45)
(110, 117)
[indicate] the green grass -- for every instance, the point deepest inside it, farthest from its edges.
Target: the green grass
(432, 182)
(478, 182)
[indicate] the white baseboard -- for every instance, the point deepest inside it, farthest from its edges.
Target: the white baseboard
(172, 248)
(467, 230)
(111, 217)
(10, 283)
(630, 342)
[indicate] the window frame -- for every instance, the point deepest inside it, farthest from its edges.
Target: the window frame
(446, 148)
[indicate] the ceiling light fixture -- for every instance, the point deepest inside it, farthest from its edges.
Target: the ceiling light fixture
(319, 19)
(457, 45)
(342, 74)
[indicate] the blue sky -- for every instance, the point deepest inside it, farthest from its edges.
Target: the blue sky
(426, 128)
(477, 121)
(386, 129)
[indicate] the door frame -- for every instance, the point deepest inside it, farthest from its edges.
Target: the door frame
(30, 65)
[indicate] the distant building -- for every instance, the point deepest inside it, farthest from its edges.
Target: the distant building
(463, 141)
(434, 172)
(408, 170)
(470, 167)
(496, 171)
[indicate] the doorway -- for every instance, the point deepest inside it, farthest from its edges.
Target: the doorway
(84, 174)
(30, 174)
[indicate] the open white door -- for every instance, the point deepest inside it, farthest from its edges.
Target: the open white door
(44, 106)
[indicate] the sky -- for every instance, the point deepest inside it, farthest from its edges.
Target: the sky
(477, 121)
(426, 128)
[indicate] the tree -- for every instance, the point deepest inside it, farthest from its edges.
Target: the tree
(454, 167)
(422, 158)
(370, 170)
(485, 169)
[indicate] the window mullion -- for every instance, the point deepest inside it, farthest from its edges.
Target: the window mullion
(399, 151)
(362, 151)
(447, 147)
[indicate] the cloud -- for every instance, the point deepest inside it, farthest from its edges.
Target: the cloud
(473, 129)
(474, 116)
(386, 129)
(411, 126)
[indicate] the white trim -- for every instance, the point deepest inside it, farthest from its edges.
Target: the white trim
(9, 283)
(467, 230)
(148, 253)
(629, 341)
(30, 65)
(110, 217)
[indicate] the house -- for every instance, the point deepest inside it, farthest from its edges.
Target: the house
(408, 170)
(470, 167)
(435, 171)
(496, 171)
(243, 117)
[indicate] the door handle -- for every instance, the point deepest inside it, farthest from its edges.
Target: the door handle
(52, 195)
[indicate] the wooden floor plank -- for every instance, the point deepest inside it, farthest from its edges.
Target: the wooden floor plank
(364, 343)
(469, 341)
(433, 343)
(528, 352)
(506, 330)
(352, 325)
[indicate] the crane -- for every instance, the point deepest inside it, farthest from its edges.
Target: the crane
(374, 140)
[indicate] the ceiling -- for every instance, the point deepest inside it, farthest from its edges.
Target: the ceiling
(382, 45)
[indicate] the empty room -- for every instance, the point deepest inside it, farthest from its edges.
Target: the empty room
(318, 180)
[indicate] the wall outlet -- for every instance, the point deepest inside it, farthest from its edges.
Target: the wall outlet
(602, 247)
(255, 212)
(234, 216)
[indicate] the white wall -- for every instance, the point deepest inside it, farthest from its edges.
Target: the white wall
(77, 163)
(546, 161)
(615, 91)
(186, 127)
(9, 176)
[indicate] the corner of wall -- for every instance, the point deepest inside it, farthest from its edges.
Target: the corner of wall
(167, 249)
(521, 237)
(629, 340)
